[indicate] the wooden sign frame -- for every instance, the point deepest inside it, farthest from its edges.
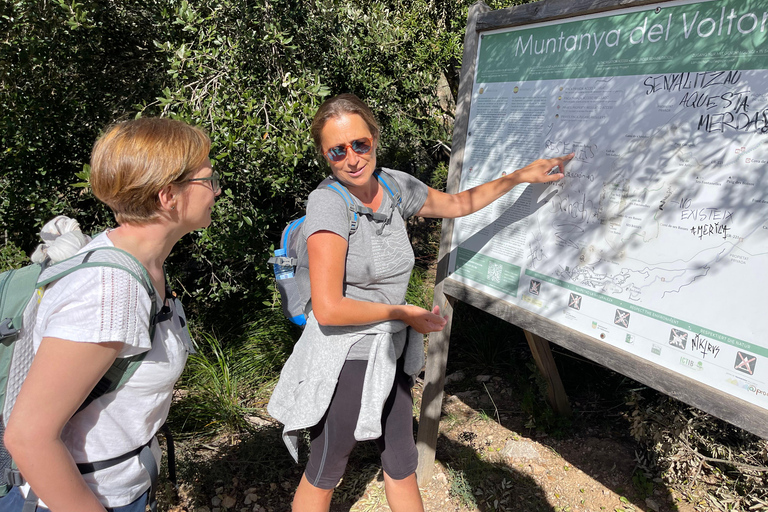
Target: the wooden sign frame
(539, 329)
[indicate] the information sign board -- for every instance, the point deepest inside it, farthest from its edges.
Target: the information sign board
(656, 241)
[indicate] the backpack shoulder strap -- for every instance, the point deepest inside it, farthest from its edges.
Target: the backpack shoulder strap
(390, 185)
(123, 368)
(353, 208)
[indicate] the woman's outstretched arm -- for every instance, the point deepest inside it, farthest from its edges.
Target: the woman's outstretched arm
(441, 205)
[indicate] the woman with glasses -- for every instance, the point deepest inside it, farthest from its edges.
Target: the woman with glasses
(156, 177)
(348, 378)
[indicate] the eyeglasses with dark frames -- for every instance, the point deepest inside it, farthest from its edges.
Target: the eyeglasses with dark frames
(213, 178)
(339, 153)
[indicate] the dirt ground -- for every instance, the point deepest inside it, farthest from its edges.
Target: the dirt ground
(489, 458)
(590, 471)
(584, 473)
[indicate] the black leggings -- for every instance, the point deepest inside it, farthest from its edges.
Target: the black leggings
(332, 440)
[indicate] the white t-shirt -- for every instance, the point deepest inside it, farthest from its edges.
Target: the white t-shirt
(98, 305)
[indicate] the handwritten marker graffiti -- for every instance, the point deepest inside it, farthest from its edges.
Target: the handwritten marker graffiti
(745, 363)
(678, 338)
(575, 301)
(622, 318)
(535, 287)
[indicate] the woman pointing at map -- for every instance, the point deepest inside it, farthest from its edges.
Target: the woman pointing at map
(348, 378)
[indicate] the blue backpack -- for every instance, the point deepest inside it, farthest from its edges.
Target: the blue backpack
(292, 243)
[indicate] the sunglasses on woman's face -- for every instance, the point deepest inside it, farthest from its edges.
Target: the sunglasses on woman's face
(339, 153)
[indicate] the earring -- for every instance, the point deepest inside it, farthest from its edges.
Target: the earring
(173, 207)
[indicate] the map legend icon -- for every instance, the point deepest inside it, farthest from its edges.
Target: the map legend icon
(535, 287)
(745, 363)
(574, 301)
(622, 318)
(678, 338)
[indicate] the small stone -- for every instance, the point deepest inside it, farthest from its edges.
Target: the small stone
(272, 486)
(215, 501)
(203, 509)
(483, 378)
(250, 498)
(520, 450)
(441, 478)
(257, 422)
(219, 490)
(228, 502)
(454, 377)
(251, 490)
(652, 504)
(285, 485)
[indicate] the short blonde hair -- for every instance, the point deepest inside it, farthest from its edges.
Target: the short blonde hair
(133, 160)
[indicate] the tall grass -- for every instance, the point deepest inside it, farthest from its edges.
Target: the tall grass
(221, 381)
(419, 291)
(213, 396)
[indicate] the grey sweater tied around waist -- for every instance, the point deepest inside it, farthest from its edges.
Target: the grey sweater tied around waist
(308, 379)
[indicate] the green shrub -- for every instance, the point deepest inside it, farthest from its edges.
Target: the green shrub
(11, 257)
(251, 74)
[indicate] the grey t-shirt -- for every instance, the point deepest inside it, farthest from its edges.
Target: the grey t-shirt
(378, 267)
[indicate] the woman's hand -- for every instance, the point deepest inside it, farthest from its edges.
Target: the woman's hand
(543, 170)
(425, 321)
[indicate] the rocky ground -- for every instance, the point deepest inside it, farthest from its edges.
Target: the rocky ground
(490, 457)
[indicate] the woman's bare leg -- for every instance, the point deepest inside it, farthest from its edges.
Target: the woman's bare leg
(403, 495)
(309, 498)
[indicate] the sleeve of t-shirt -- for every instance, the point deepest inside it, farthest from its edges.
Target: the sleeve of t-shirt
(326, 211)
(413, 192)
(98, 305)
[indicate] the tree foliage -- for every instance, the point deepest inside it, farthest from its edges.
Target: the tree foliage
(252, 73)
(65, 72)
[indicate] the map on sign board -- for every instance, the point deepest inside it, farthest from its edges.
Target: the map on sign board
(656, 239)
